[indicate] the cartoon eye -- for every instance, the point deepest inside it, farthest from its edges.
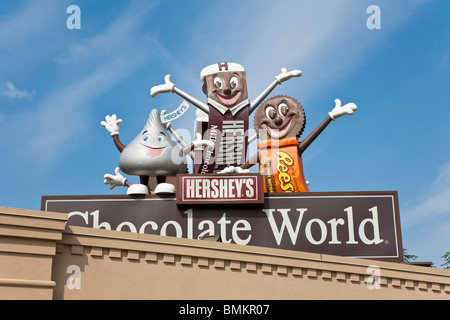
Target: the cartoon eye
(160, 138)
(218, 82)
(146, 138)
(283, 109)
(234, 82)
(271, 113)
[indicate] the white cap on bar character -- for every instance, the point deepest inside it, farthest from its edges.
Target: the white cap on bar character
(219, 67)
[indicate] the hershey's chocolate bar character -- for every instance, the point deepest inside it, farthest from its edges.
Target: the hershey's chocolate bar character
(228, 108)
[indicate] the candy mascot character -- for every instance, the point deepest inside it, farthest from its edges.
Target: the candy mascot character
(151, 154)
(228, 109)
(279, 123)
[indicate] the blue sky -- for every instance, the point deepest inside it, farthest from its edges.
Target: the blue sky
(56, 85)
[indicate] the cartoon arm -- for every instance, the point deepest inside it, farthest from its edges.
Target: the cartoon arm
(282, 77)
(198, 143)
(117, 180)
(337, 112)
(168, 86)
(187, 148)
(112, 125)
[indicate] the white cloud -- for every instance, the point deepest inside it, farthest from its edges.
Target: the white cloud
(58, 120)
(12, 93)
(115, 38)
(430, 241)
(435, 202)
(27, 21)
(325, 39)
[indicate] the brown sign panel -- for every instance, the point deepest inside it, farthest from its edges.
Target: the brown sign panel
(219, 189)
(351, 224)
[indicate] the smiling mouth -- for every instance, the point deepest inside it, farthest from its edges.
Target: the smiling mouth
(154, 152)
(228, 100)
(279, 132)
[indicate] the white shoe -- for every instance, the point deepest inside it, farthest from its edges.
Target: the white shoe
(165, 188)
(137, 189)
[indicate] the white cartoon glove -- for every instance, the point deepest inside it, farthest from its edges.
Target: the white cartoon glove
(163, 88)
(200, 143)
(233, 169)
(112, 124)
(284, 75)
(115, 181)
(339, 111)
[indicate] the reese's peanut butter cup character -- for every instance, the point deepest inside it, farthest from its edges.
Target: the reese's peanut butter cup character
(279, 123)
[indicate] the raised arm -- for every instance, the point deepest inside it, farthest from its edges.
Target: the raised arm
(337, 112)
(168, 86)
(313, 135)
(282, 77)
(112, 125)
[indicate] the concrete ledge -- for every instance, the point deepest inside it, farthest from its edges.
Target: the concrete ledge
(121, 265)
(41, 258)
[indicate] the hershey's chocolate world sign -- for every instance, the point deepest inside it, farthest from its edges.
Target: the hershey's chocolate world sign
(356, 224)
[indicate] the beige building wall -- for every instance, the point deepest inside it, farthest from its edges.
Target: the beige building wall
(27, 248)
(84, 263)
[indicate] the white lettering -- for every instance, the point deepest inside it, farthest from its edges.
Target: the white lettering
(176, 225)
(223, 188)
(323, 231)
(148, 223)
(205, 188)
(351, 229)
(286, 224)
(223, 228)
(231, 188)
(197, 188)
(246, 227)
(96, 225)
(376, 228)
(84, 215)
(250, 193)
(334, 223)
(189, 188)
(207, 311)
(189, 223)
(209, 232)
(239, 183)
(129, 225)
(215, 190)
